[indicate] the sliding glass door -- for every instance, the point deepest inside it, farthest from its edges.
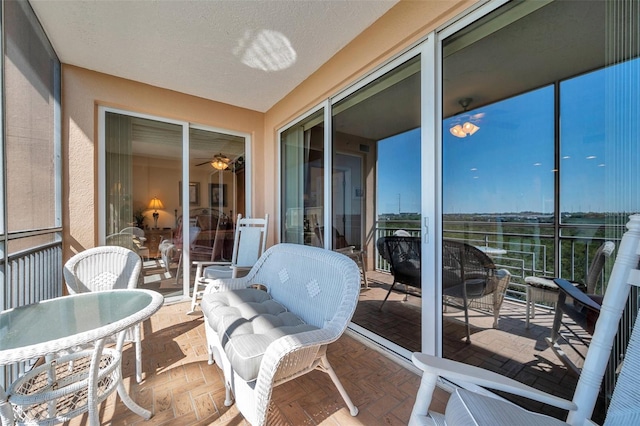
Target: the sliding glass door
(169, 207)
(372, 147)
(302, 180)
(376, 193)
(539, 167)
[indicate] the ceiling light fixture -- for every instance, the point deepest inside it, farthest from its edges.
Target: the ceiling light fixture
(220, 162)
(467, 128)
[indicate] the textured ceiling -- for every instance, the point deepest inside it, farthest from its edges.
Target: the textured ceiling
(244, 53)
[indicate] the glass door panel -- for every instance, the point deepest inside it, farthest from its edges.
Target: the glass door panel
(302, 151)
(539, 167)
(216, 193)
(143, 165)
(376, 192)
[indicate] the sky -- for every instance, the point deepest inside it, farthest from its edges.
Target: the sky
(507, 166)
(399, 173)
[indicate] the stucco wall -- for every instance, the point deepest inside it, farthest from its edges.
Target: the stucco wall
(83, 91)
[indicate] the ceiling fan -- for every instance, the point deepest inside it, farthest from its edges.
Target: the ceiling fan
(222, 162)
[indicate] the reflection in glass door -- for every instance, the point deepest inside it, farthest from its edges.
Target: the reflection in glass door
(539, 171)
(376, 193)
(302, 174)
(143, 165)
(216, 194)
(147, 196)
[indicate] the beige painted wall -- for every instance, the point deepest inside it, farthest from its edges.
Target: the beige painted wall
(83, 91)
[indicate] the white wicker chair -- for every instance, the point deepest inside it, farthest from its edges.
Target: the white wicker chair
(106, 268)
(320, 287)
(249, 242)
(139, 239)
(482, 407)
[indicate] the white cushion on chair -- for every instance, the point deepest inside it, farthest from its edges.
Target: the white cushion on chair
(247, 321)
(470, 408)
(220, 272)
(542, 282)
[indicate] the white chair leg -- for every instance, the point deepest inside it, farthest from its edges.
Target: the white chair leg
(326, 367)
(423, 399)
(496, 308)
(228, 399)
(138, 347)
(179, 269)
(6, 410)
(196, 290)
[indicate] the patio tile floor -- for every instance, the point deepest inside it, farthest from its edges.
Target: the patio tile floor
(182, 389)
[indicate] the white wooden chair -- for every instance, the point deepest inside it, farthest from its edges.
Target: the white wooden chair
(249, 244)
(106, 268)
(475, 404)
(261, 339)
(194, 231)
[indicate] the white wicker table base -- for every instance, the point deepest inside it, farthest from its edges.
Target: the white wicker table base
(68, 386)
(79, 373)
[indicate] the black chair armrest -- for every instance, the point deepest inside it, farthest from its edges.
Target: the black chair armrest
(571, 290)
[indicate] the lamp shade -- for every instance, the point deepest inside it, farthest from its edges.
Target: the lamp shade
(155, 204)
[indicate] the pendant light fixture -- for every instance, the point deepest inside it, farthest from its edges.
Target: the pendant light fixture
(467, 127)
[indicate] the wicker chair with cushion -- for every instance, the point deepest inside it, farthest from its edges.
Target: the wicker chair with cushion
(106, 268)
(263, 338)
(544, 290)
(341, 245)
(403, 255)
(476, 405)
(468, 274)
(469, 277)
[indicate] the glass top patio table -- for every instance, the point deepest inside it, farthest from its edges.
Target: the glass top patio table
(56, 324)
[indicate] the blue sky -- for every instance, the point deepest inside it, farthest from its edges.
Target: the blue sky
(399, 173)
(508, 165)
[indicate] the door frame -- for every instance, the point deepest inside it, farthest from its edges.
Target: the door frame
(186, 126)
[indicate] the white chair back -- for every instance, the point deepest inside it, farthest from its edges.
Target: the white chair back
(107, 268)
(250, 241)
(625, 403)
(102, 268)
(137, 232)
(194, 231)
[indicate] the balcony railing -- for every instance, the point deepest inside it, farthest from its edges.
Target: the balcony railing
(533, 254)
(526, 254)
(30, 276)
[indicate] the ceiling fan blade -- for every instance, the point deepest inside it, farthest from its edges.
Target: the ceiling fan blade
(202, 164)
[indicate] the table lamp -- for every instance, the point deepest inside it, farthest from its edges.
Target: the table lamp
(155, 204)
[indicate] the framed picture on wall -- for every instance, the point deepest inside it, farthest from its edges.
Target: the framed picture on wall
(218, 194)
(194, 193)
